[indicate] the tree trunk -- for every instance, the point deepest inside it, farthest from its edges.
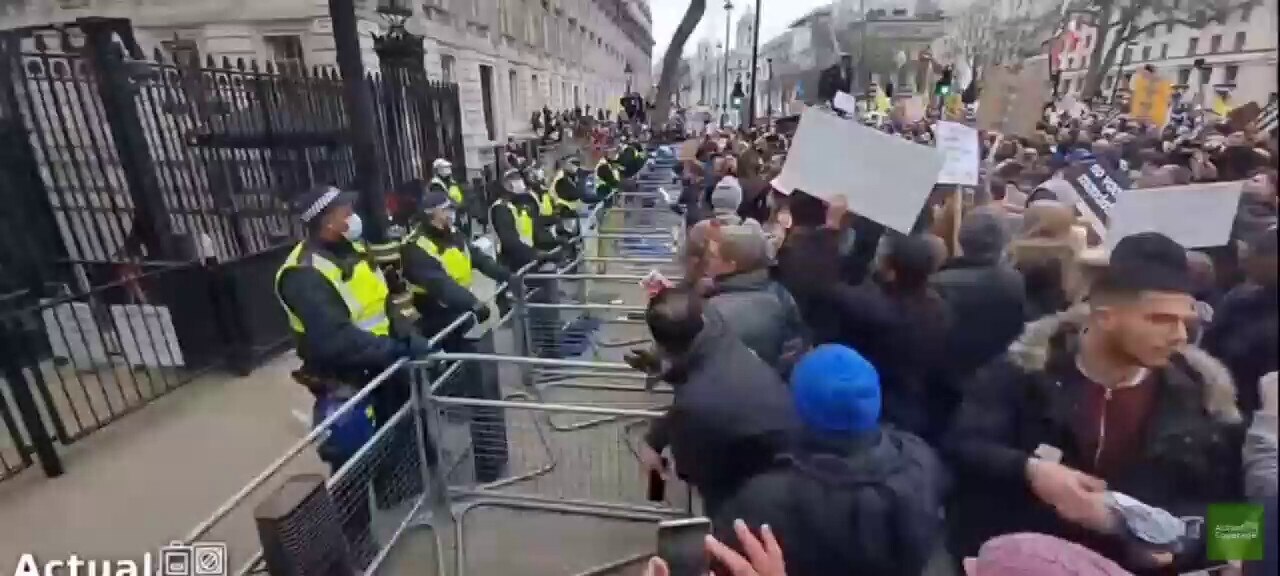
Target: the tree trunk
(671, 60)
(1103, 55)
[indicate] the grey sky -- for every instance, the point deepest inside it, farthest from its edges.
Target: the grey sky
(775, 16)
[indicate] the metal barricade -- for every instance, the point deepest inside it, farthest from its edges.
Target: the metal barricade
(525, 476)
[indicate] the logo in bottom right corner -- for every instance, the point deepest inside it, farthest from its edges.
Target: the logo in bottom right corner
(1234, 532)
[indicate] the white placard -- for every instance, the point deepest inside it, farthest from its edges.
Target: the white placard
(913, 109)
(845, 102)
(882, 177)
(147, 335)
(959, 146)
(1195, 215)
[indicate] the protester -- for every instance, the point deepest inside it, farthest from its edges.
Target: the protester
(730, 414)
(752, 305)
(1245, 334)
(900, 324)
(853, 497)
(808, 261)
(1104, 397)
(982, 290)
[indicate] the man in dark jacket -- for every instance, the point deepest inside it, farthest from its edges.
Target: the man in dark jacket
(1104, 398)
(808, 262)
(758, 310)
(730, 415)
(854, 497)
(1245, 333)
(984, 292)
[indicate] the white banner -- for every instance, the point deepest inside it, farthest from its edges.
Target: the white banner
(882, 177)
(960, 153)
(1195, 215)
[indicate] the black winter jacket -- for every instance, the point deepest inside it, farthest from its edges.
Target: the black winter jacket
(865, 507)
(987, 300)
(1022, 401)
(1245, 335)
(730, 415)
(424, 271)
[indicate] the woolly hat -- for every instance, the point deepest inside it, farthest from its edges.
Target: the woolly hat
(836, 391)
(1029, 554)
(727, 195)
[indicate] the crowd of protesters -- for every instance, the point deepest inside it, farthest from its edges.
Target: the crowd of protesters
(990, 391)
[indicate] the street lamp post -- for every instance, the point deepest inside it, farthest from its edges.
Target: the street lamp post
(362, 120)
(728, 20)
(755, 50)
(768, 88)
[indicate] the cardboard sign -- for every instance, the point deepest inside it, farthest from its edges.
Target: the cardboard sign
(1195, 216)
(1151, 97)
(1099, 190)
(1013, 99)
(960, 151)
(882, 177)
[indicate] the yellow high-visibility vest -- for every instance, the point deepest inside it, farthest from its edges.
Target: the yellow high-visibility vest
(365, 293)
(455, 260)
(556, 197)
(454, 191)
(523, 220)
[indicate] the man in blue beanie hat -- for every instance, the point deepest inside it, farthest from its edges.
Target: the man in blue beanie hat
(853, 497)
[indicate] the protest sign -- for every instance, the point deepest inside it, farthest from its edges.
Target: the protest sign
(959, 146)
(1098, 189)
(845, 103)
(1013, 99)
(1195, 216)
(1151, 97)
(882, 177)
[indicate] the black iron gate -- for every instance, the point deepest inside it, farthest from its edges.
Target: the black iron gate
(147, 206)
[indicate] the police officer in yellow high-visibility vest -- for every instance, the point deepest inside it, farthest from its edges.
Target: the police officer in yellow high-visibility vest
(439, 262)
(519, 224)
(443, 180)
(608, 174)
(335, 299)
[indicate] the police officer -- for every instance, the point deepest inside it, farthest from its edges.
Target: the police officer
(335, 299)
(608, 174)
(515, 217)
(439, 263)
(442, 180)
(632, 158)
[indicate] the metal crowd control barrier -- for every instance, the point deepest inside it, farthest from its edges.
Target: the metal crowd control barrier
(527, 476)
(548, 424)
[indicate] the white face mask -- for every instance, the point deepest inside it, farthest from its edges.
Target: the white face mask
(355, 228)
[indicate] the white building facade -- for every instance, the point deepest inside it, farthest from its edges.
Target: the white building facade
(510, 58)
(1237, 57)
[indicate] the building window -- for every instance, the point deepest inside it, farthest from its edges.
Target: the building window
(1146, 52)
(1151, 32)
(286, 51)
(1108, 82)
(1193, 46)
(1071, 62)
(1184, 76)
(1088, 41)
(1206, 75)
(1239, 45)
(513, 84)
(1128, 54)
(1168, 27)
(1164, 50)
(1245, 12)
(486, 98)
(447, 63)
(1215, 44)
(1230, 73)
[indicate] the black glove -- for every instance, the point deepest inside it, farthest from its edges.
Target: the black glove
(482, 312)
(416, 347)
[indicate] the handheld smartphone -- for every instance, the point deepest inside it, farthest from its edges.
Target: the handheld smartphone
(682, 545)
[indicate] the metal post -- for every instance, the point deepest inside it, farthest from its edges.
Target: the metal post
(20, 388)
(768, 89)
(728, 20)
(862, 48)
(362, 121)
(520, 326)
(755, 52)
(116, 90)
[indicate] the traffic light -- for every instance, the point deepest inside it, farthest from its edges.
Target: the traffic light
(943, 87)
